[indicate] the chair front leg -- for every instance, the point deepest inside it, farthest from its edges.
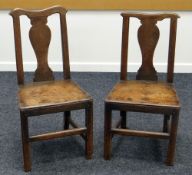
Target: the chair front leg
(67, 115)
(107, 133)
(25, 142)
(89, 132)
(172, 139)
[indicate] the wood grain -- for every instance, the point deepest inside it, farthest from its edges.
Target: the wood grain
(144, 93)
(40, 36)
(148, 33)
(50, 93)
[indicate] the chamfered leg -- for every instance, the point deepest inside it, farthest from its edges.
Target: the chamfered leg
(107, 133)
(67, 115)
(89, 132)
(166, 123)
(25, 142)
(172, 140)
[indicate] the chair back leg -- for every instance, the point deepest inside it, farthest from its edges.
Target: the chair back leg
(166, 123)
(67, 115)
(107, 133)
(89, 132)
(123, 119)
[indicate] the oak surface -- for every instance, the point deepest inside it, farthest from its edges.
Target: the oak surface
(51, 93)
(144, 93)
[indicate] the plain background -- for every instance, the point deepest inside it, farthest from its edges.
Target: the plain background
(95, 42)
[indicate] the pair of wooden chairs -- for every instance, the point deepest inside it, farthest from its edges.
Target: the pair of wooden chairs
(46, 95)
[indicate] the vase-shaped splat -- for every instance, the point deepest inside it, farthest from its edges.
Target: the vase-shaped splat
(148, 36)
(40, 36)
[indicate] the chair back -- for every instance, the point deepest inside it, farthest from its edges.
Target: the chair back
(148, 36)
(40, 37)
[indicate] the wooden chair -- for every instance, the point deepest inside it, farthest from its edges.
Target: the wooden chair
(46, 95)
(145, 94)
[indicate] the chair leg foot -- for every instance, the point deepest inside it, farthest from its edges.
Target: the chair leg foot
(172, 140)
(107, 156)
(169, 163)
(89, 156)
(107, 134)
(89, 132)
(25, 143)
(26, 157)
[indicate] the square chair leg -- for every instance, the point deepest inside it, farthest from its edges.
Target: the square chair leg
(67, 115)
(25, 142)
(89, 132)
(123, 119)
(172, 140)
(107, 133)
(166, 123)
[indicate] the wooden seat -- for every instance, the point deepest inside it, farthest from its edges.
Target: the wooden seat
(47, 95)
(50, 93)
(146, 93)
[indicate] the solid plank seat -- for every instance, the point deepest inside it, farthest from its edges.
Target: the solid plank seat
(50, 93)
(144, 93)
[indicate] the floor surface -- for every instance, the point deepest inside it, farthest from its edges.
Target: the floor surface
(130, 155)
